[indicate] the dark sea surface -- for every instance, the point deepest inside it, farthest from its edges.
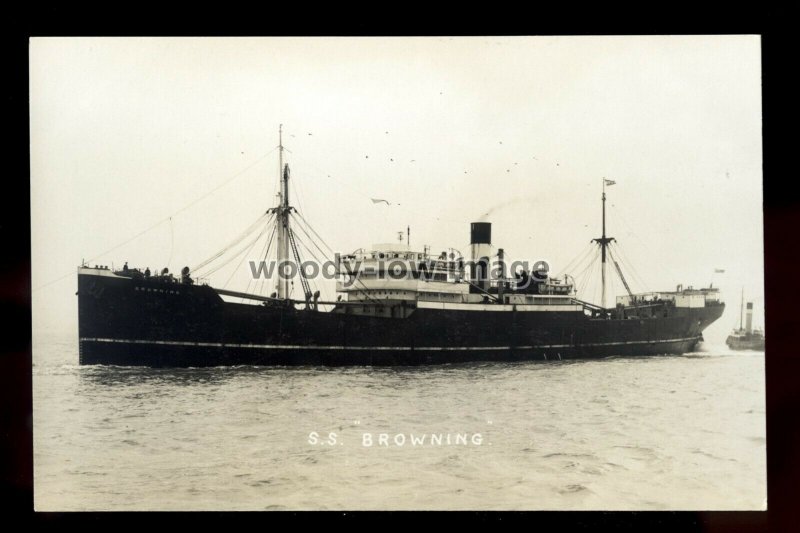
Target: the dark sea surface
(666, 432)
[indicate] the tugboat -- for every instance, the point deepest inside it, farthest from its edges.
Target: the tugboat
(439, 309)
(746, 338)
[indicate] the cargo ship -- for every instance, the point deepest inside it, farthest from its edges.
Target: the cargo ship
(441, 309)
(746, 338)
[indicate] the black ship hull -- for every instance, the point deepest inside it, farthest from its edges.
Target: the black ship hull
(124, 321)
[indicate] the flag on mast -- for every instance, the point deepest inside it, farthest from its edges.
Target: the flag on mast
(609, 182)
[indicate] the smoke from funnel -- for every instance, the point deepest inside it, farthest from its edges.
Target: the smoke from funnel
(485, 216)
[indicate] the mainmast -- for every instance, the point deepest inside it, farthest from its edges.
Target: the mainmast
(604, 242)
(282, 219)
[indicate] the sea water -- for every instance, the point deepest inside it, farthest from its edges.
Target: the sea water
(662, 432)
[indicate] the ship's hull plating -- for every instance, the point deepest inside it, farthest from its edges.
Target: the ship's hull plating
(739, 343)
(124, 321)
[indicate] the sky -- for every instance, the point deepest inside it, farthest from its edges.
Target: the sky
(159, 151)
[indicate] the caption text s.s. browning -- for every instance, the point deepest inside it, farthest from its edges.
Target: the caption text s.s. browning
(396, 440)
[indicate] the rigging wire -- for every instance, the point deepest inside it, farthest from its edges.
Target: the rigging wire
(298, 188)
(313, 282)
(310, 227)
(247, 246)
(310, 252)
(593, 274)
(296, 253)
(588, 286)
(617, 261)
(305, 247)
(578, 265)
(584, 280)
(588, 266)
(631, 268)
(250, 229)
(261, 254)
(580, 282)
(232, 243)
(611, 281)
(306, 227)
(264, 255)
(217, 268)
(325, 255)
(618, 214)
(597, 290)
(357, 277)
(243, 258)
(575, 263)
(165, 219)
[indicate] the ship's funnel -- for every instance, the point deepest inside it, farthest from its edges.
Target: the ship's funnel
(749, 318)
(481, 233)
(481, 247)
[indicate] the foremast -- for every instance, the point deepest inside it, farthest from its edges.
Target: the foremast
(282, 212)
